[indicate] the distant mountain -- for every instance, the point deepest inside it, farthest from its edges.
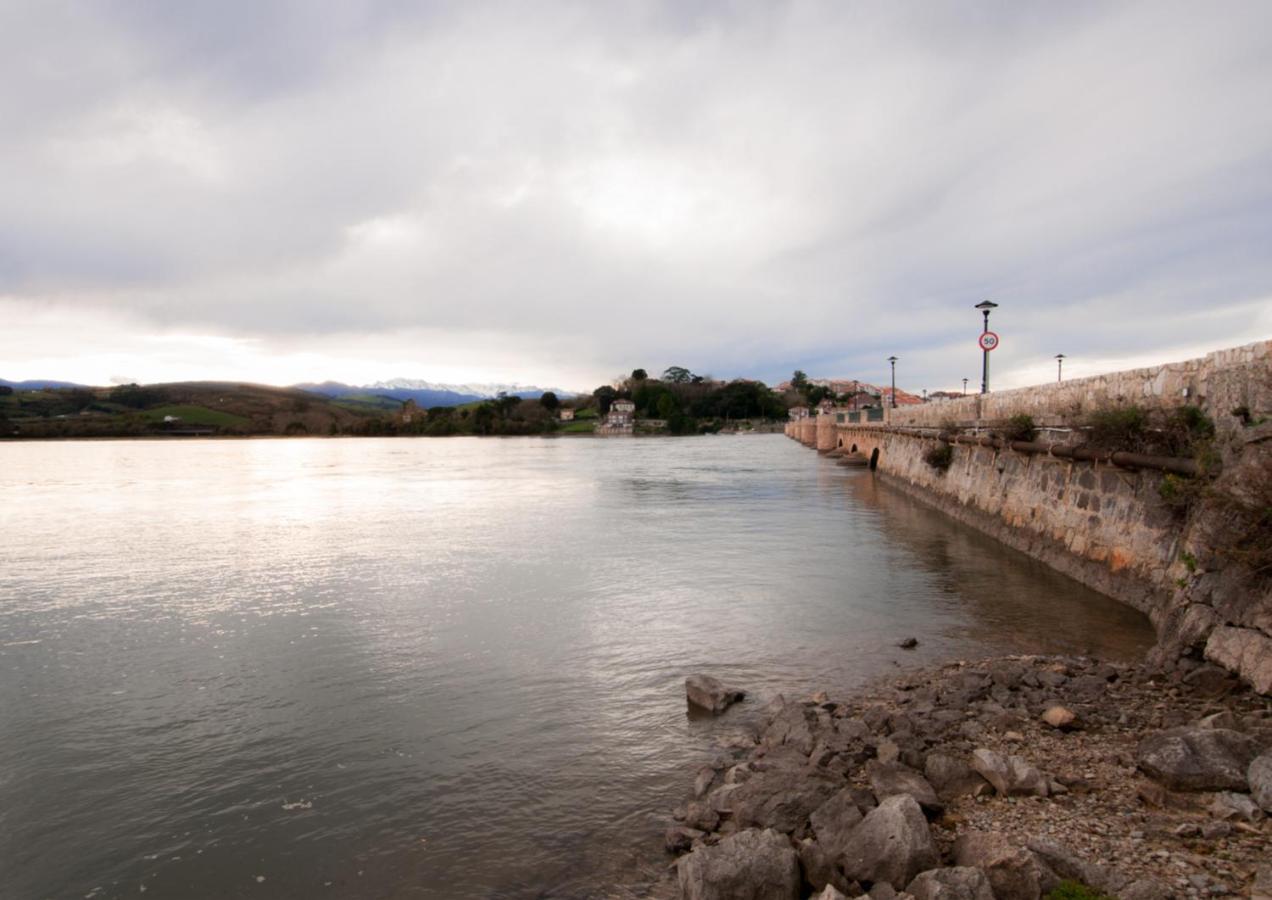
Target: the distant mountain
(38, 384)
(427, 393)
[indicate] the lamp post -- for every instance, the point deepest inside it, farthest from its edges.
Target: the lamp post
(925, 395)
(855, 391)
(964, 387)
(1059, 366)
(985, 306)
(893, 360)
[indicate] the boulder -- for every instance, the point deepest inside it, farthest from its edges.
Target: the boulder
(834, 821)
(956, 883)
(1189, 758)
(781, 798)
(749, 865)
(707, 693)
(891, 844)
(820, 870)
(1259, 777)
(1244, 651)
(1059, 863)
(1013, 872)
(680, 838)
(700, 816)
(951, 777)
(794, 725)
(1010, 776)
(890, 779)
(830, 892)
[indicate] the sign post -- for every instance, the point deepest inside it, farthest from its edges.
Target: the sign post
(988, 341)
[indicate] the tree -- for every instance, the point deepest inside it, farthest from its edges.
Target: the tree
(799, 381)
(549, 400)
(677, 375)
(639, 374)
(667, 406)
(604, 397)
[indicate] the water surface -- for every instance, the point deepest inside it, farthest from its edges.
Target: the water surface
(440, 668)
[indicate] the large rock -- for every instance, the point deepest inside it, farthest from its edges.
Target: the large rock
(1259, 776)
(1061, 863)
(1010, 776)
(1013, 871)
(891, 844)
(820, 868)
(957, 883)
(951, 777)
(1197, 759)
(707, 693)
(1244, 651)
(835, 820)
(795, 726)
(749, 865)
(781, 798)
(890, 779)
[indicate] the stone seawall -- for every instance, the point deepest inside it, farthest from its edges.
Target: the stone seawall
(1104, 525)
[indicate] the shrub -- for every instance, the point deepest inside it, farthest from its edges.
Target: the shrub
(1120, 428)
(940, 457)
(1019, 428)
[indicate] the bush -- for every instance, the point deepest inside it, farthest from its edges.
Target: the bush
(940, 457)
(1122, 428)
(1019, 428)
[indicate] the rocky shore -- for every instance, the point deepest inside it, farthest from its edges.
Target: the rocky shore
(1016, 778)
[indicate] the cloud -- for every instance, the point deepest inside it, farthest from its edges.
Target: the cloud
(741, 189)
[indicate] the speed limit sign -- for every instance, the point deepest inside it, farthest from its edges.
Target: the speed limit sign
(988, 341)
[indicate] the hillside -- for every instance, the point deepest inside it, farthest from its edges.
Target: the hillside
(183, 409)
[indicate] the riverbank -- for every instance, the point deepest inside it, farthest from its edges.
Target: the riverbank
(994, 780)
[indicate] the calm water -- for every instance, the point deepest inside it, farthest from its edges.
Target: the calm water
(439, 668)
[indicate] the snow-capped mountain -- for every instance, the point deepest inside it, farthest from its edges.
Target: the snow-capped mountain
(429, 393)
(475, 390)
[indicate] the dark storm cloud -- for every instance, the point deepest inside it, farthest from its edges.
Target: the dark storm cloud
(741, 188)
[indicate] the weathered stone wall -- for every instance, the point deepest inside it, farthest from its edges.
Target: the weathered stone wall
(1218, 383)
(1106, 526)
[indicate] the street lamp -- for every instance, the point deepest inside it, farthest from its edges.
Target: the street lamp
(985, 306)
(1059, 365)
(893, 360)
(925, 395)
(964, 387)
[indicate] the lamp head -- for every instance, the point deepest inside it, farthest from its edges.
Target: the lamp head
(892, 359)
(987, 305)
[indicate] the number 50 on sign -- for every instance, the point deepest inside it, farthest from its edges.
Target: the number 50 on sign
(988, 341)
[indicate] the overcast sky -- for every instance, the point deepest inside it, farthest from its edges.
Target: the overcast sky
(556, 193)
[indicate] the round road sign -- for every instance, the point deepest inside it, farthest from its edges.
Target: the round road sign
(988, 340)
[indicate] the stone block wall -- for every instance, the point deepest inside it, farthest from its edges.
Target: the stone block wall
(1218, 382)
